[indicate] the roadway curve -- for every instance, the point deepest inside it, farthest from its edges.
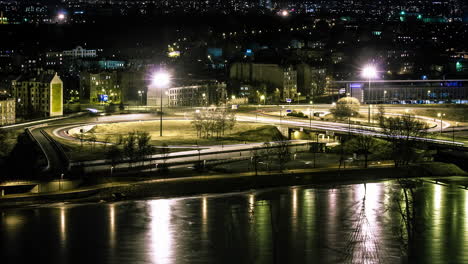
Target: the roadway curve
(56, 161)
(62, 131)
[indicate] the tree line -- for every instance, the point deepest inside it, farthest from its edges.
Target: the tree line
(213, 122)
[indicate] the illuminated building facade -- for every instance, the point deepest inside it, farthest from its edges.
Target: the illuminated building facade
(7, 111)
(406, 91)
(38, 94)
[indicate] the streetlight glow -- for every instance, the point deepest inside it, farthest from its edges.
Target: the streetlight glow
(161, 79)
(369, 72)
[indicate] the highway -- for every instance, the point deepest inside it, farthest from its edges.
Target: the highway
(57, 160)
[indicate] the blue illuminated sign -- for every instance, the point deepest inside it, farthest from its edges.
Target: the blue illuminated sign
(103, 98)
(355, 85)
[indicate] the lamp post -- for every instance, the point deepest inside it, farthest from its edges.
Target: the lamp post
(161, 80)
(441, 116)
(310, 119)
(298, 94)
(140, 93)
(369, 72)
(262, 97)
(384, 95)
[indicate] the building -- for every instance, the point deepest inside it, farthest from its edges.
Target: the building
(280, 82)
(7, 111)
(205, 93)
(405, 91)
(56, 58)
(197, 95)
(99, 88)
(38, 94)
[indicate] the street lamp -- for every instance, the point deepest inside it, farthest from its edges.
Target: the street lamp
(161, 80)
(369, 72)
(384, 95)
(441, 116)
(298, 94)
(262, 97)
(140, 93)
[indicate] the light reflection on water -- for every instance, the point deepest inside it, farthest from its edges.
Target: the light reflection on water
(354, 223)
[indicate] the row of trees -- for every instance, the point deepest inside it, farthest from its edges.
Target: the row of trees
(268, 154)
(135, 146)
(213, 122)
(401, 143)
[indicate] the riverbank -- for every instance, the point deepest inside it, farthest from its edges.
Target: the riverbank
(219, 183)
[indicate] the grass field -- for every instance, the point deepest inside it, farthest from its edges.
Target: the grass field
(176, 132)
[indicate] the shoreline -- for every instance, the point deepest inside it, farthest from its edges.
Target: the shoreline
(219, 183)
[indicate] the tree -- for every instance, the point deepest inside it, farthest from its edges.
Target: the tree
(365, 145)
(114, 154)
(267, 154)
(144, 147)
(255, 158)
(129, 148)
(283, 154)
(403, 133)
(164, 152)
(318, 83)
(213, 122)
(346, 107)
(93, 138)
(4, 146)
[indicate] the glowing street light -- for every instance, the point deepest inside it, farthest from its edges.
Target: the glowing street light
(262, 97)
(61, 17)
(161, 80)
(369, 72)
(441, 116)
(284, 13)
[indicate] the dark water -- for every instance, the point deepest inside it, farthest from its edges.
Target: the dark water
(341, 224)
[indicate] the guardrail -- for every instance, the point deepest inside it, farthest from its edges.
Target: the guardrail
(28, 131)
(58, 147)
(146, 159)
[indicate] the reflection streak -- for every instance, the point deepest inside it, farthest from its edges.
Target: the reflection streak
(160, 231)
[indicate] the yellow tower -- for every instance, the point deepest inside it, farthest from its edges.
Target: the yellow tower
(3, 20)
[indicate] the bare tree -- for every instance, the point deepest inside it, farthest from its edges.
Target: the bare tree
(164, 151)
(214, 122)
(362, 145)
(267, 154)
(404, 133)
(93, 139)
(319, 83)
(255, 158)
(283, 154)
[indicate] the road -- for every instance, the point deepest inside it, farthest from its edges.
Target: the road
(55, 159)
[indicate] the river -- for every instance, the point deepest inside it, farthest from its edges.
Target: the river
(352, 223)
